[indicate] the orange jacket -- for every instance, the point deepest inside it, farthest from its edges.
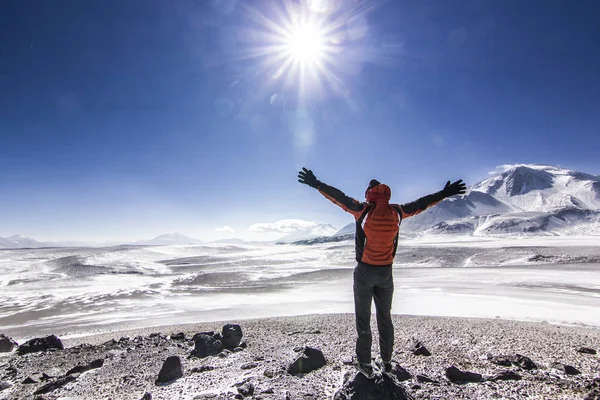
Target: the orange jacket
(377, 222)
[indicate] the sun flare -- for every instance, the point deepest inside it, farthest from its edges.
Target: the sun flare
(306, 44)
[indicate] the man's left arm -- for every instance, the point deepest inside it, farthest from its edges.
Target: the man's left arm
(415, 207)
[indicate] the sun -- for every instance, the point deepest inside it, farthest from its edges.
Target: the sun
(306, 44)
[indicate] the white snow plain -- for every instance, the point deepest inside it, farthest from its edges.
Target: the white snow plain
(81, 291)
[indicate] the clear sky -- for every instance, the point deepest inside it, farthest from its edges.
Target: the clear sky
(128, 119)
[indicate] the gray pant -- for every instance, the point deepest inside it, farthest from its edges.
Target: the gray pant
(373, 282)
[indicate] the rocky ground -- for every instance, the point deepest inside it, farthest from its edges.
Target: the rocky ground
(438, 358)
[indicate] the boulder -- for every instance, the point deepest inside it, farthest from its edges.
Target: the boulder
(171, 370)
(249, 365)
(567, 369)
(586, 350)
(86, 367)
(7, 344)
(232, 336)
(29, 380)
(456, 375)
(40, 344)
(147, 396)
(206, 345)
(178, 336)
(309, 359)
(380, 388)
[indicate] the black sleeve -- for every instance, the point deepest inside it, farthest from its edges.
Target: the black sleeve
(339, 198)
(421, 204)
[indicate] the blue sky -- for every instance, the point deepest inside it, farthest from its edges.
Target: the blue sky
(129, 119)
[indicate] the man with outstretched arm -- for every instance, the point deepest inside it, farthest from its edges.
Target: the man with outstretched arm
(377, 227)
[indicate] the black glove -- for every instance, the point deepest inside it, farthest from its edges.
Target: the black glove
(307, 177)
(457, 187)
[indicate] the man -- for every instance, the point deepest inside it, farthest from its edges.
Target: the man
(377, 227)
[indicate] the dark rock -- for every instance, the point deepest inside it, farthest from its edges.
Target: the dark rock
(197, 335)
(232, 336)
(178, 336)
(379, 388)
(40, 344)
(58, 383)
(206, 345)
(249, 365)
(7, 344)
(171, 370)
(268, 391)
(415, 387)
(237, 349)
(259, 358)
(246, 390)
(45, 377)
(567, 369)
(517, 360)
(506, 376)
(586, 350)
(147, 396)
(154, 334)
(28, 381)
(243, 345)
(202, 368)
(5, 385)
(420, 350)
(400, 373)
(308, 360)
(425, 379)
(11, 372)
(83, 368)
(524, 362)
(456, 375)
(298, 348)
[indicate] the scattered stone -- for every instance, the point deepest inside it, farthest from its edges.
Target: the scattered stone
(415, 387)
(420, 350)
(425, 379)
(4, 385)
(171, 370)
(347, 360)
(29, 380)
(268, 391)
(11, 372)
(147, 396)
(40, 344)
(243, 345)
(308, 360)
(594, 388)
(456, 375)
(517, 360)
(298, 348)
(259, 358)
(7, 344)
(237, 349)
(83, 368)
(154, 334)
(58, 383)
(246, 390)
(380, 388)
(506, 376)
(178, 336)
(524, 362)
(249, 365)
(232, 336)
(45, 377)
(206, 345)
(205, 396)
(111, 342)
(567, 369)
(202, 368)
(400, 373)
(586, 350)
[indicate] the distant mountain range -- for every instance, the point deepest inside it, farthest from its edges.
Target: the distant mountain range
(522, 200)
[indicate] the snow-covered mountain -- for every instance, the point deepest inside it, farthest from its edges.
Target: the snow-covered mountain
(523, 199)
(169, 239)
(20, 241)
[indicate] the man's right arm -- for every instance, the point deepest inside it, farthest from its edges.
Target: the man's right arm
(335, 195)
